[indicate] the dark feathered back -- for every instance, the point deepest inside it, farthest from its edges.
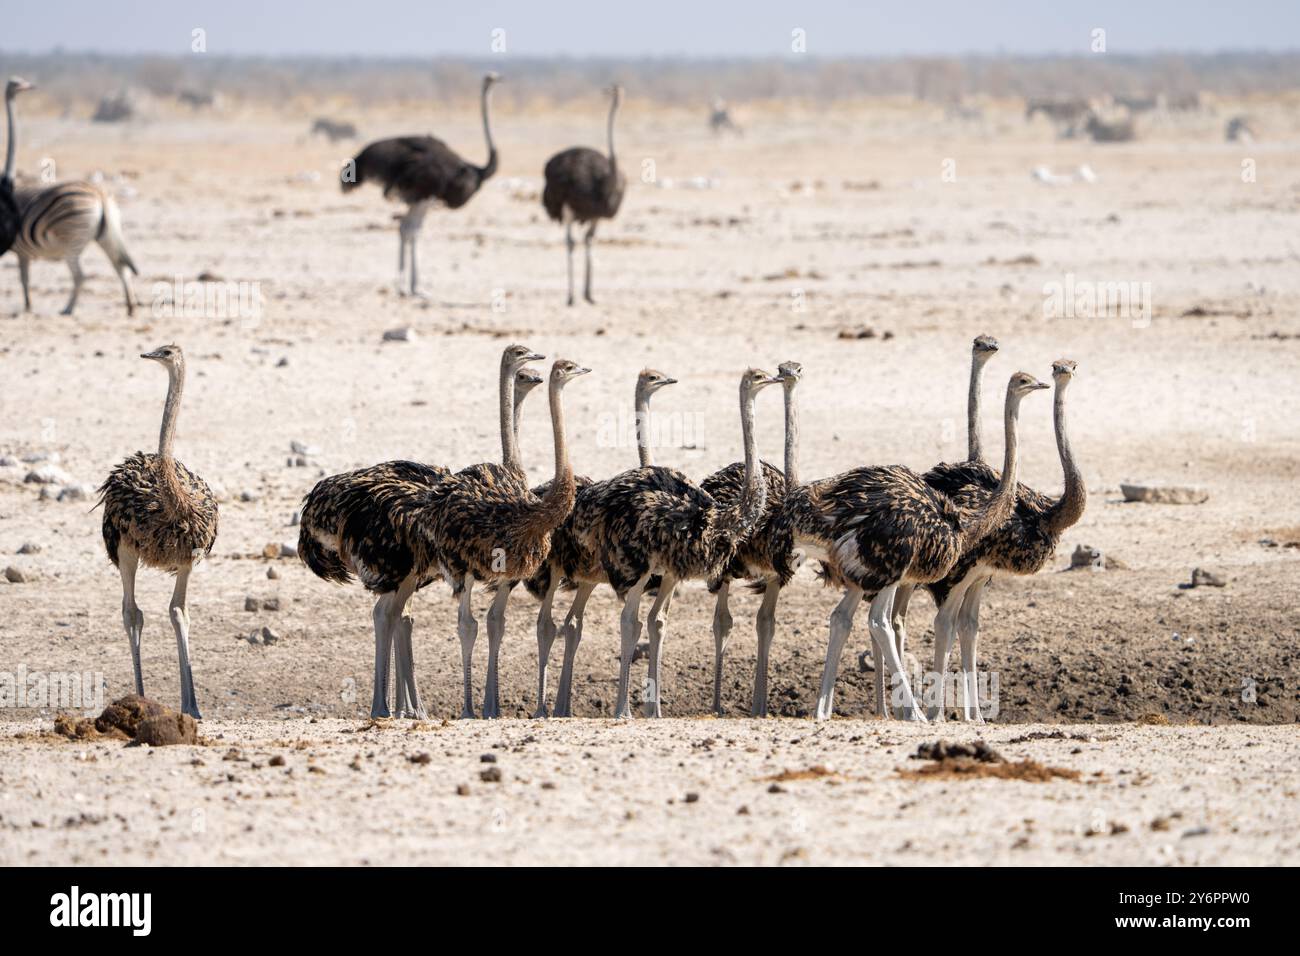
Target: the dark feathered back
(419, 168)
(10, 218)
(583, 180)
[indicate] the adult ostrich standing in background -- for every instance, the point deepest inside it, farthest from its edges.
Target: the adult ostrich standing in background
(586, 187)
(10, 216)
(422, 171)
(159, 512)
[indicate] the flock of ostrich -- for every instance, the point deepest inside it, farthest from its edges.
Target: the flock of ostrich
(877, 532)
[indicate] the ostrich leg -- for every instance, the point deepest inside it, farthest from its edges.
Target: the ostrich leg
(24, 266)
(383, 649)
(398, 632)
(180, 618)
(546, 632)
(841, 627)
(568, 244)
(496, 627)
(401, 258)
(968, 633)
(572, 638)
(412, 222)
(652, 705)
(132, 619)
(721, 637)
(882, 634)
(467, 629)
(765, 626)
(629, 633)
(586, 282)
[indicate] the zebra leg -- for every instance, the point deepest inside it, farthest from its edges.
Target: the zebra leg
(586, 283)
(74, 266)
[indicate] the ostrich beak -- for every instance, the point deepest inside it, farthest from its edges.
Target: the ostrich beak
(534, 357)
(156, 355)
(670, 381)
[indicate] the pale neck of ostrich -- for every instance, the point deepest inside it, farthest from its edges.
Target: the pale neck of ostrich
(643, 425)
(506, 409)
(520, 395)
(613, 109)
(754, 497)
(491, 166)
(791, 438)
(12, 146)
(974, 447)
(998, 508)
(558, 500)
(1069, 509)
(171, 412)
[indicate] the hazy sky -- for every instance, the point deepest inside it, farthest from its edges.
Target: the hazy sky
(647, 27)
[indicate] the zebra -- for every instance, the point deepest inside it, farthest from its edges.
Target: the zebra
(58, 222)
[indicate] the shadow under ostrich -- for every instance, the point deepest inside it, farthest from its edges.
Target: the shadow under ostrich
(585, 187)
(422, 171)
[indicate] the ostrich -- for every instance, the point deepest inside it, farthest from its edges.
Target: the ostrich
(572, 563)
(654, 521)
(947, 478)
(489, 526)
(59, 221)
(374, 523)
(761, 557)
(878, 527)
(421, 171)
(10, 215)
(1023, 545)
(585, 187)
(158, 512)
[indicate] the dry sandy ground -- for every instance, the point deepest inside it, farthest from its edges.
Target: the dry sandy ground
(811, 227)
(679, 792)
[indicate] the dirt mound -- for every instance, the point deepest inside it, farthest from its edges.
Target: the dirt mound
(811, 773)
(134, 718)
(956, 761)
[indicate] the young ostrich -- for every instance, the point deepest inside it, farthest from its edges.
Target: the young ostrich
(1023, 545)
(10, 215)
(878, 527)
(489, 526)
(654, 521)
(947, 478)
(158, 512)
(422, 171)
(585, 187)
(375, 523)
(763, 556)
(59, 221)
(572, 564)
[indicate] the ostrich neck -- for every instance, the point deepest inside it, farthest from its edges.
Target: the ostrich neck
(491, 166)
(974, 447)
(613, 110)
(1069, 509)
(558, 500)
(514, 424)
(12, 145)
(506, 400)
(753, 499)
(998, 508)
(166, 440)
(643, 428)
(791, 440)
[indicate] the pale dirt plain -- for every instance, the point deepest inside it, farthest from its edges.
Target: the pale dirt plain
(814, 223)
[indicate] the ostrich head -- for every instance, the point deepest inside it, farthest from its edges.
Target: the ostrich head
(516, 357)
(756, 380)
(1022, 383)
(650, 381)
(984, 347)
(169, 356)
(17, 85)
(490, 80)
(615, 92)
(564, 371)
(526, 379)
(1063, 370)
(789, 373)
